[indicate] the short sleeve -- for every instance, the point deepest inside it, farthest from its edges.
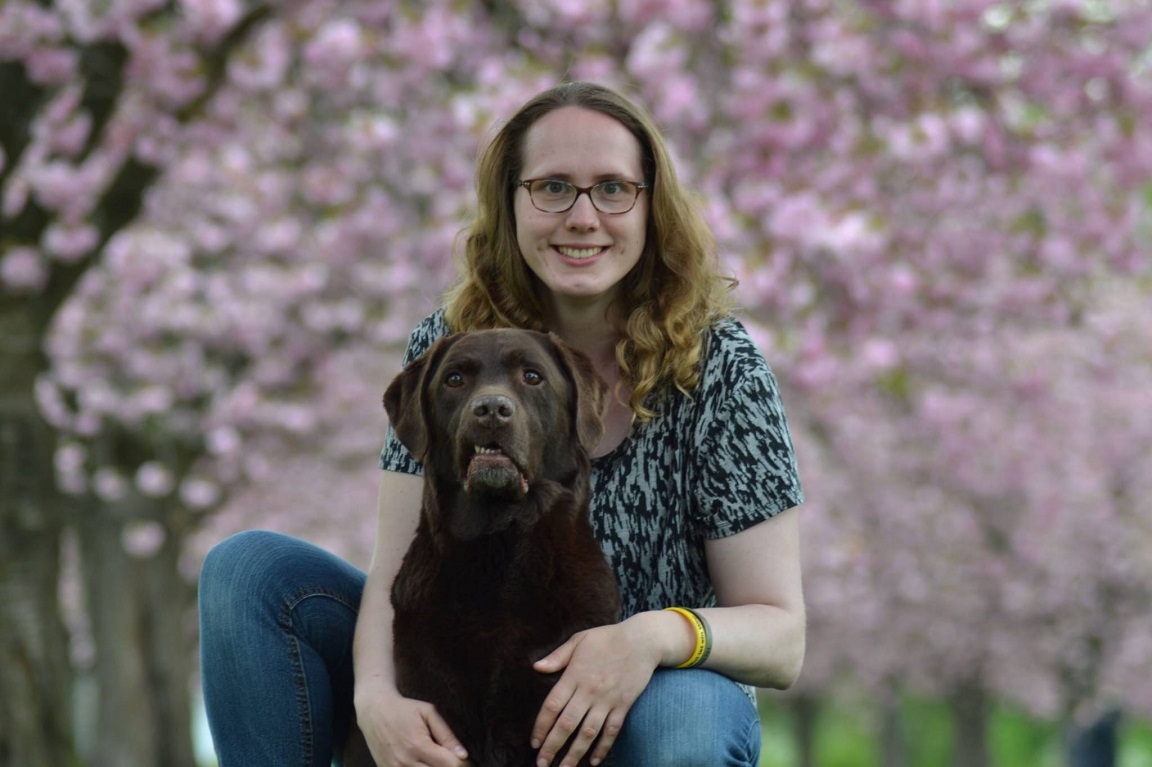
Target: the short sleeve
(394, 456)
(745, 465)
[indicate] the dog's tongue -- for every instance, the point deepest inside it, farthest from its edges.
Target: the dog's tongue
(494, 473)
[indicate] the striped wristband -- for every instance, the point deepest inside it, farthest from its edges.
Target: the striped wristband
(703, 636)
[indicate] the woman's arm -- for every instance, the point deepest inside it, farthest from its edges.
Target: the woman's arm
(759, 628)
(758, 639)
(399, 731)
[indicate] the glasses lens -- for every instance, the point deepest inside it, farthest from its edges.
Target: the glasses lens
(555, 196)
(614, 196)
(552, 196)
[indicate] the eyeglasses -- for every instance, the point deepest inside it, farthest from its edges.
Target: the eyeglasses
(551, 195)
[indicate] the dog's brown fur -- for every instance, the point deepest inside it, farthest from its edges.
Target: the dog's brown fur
(504, 566)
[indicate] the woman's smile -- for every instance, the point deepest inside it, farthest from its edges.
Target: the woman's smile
(584, 254)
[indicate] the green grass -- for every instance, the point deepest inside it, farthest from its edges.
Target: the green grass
(846, 736)
(1136, 746)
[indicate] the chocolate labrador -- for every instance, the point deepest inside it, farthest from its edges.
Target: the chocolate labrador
(504, 566)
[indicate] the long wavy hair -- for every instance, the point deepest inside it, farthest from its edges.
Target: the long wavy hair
(668, 300)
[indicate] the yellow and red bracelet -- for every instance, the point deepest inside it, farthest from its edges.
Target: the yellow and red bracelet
(703, 636)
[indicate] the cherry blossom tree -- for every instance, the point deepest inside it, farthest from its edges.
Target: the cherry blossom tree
(87, 91)
(980, 537)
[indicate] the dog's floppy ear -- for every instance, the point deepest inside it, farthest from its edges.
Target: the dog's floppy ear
(591, 392)
(405, 398)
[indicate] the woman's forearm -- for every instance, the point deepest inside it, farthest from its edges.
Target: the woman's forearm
(397, 514)
(372, 646)
(760, 645)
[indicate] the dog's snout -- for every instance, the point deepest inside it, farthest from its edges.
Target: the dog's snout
(493, 409)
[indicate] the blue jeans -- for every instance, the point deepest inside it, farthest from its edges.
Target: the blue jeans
(277, 617)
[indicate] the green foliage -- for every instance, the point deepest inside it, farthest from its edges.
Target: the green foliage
(928, 729)
(1135, 744)
(848, 736)
(1017, 738)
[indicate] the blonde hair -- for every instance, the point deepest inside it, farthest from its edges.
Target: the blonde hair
(669, 299)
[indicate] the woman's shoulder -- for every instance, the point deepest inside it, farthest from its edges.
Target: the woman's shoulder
(731, 352)
(426, 333)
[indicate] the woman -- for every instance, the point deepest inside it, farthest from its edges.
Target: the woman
(582, 230)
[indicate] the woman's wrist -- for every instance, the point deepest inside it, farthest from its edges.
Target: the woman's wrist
(371, 689)
(671, 638)
(702, 633)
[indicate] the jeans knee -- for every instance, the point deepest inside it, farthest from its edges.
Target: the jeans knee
(689, 719)
(232, 558)
(240, 571)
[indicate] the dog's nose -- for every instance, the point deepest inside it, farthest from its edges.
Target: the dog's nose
(493, 409)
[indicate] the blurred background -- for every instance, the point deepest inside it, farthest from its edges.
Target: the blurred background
(219, 220)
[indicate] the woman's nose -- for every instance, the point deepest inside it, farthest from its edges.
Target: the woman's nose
(583, 214)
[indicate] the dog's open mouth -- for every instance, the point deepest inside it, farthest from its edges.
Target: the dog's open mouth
(492, 472)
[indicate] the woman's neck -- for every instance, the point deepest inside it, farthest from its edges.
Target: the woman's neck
(591, 329)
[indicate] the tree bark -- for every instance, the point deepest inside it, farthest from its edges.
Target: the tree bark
(35, 673)
(805, 712)
(969, 704)
(139, 610)
(893, 742)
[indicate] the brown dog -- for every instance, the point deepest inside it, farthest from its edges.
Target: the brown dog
(504, 567)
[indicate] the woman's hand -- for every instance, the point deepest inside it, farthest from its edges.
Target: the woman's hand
(605, 670)
(402, 732)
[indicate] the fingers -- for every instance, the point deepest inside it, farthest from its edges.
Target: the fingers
(557, 659)
(570, 720)
(586, 708)
(550, 712)
(417, 736)
(608, 734)
(443, 736)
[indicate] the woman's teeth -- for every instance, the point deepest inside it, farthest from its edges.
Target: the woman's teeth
(578, 252)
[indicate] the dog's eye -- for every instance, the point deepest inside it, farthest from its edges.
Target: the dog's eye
(453, 380)
(532, 378)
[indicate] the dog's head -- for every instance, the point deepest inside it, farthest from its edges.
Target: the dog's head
(497, 412)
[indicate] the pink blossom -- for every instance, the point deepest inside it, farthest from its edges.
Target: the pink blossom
(199, 493)
(223, 440)
(23, 270)
(331, 52)
(51, 65)
(262, 65)
(109, 484)
(212, 19)
(67, 243)
(880, 354)
(143, 539)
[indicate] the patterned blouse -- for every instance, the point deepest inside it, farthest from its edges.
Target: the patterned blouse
(708, 466)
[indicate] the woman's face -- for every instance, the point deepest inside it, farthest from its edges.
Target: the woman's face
(581, 254)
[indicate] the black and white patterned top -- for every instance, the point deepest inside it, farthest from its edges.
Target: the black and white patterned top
(708, 466)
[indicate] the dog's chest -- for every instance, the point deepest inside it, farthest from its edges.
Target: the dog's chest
(482, 581)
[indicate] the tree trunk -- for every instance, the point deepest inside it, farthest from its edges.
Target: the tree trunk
(35, 673)
(969, 704)
(139, 612)
(893, 743)
(805, 711)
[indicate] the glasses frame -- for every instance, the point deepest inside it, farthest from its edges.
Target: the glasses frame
(640, 187)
